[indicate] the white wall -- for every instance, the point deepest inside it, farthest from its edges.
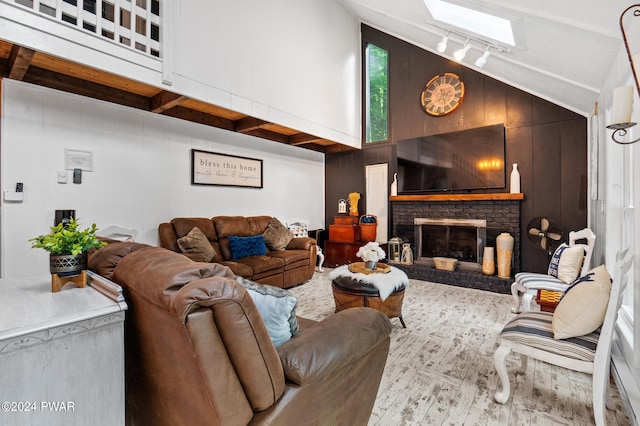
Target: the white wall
(273, 60)
(141, 171)
(276, 59)
(613, 217)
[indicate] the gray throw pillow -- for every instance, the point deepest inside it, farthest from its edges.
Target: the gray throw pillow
(277, 307)
(197, 246)
(277, 236)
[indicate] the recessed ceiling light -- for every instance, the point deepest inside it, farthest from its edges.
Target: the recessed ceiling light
(471, 20)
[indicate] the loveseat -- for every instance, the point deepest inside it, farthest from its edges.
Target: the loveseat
(284, 267)
(197, 350)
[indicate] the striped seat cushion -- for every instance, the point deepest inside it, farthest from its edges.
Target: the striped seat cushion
(537, 280)
(533, 329)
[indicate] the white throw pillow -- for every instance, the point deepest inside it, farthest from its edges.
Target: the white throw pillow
(299, 228)
(566, 262)
(277, 308)
(583, 307)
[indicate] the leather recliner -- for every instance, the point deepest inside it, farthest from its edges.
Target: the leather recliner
(197, 351)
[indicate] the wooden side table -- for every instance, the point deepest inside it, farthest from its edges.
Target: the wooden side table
(340, 253)
(61, 354)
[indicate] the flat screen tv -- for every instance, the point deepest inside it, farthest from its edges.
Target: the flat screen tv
(456, 161)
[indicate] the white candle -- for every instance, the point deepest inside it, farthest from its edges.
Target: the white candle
(622, 104)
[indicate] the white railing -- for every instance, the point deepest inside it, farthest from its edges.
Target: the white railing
(135, 24)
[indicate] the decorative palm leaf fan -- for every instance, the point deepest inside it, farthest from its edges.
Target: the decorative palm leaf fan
(544, 234)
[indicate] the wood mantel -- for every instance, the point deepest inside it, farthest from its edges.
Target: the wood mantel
(458, 197)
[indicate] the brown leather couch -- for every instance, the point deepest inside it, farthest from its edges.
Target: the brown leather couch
(197, 351)
(281, 268)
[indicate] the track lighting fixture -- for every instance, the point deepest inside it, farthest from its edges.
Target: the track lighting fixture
(470, 41)
(442, 46)
(461, 53)
(482, 60)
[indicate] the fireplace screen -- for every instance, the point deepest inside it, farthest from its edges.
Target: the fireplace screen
(456, 242)
(457, 239)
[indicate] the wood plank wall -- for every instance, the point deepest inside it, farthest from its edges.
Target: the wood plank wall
(548, 142)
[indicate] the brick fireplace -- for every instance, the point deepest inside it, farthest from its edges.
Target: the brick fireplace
(500, 211)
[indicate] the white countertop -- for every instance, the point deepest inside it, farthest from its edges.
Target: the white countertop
(19, 296)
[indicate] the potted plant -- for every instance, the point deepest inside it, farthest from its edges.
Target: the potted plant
(68, 246)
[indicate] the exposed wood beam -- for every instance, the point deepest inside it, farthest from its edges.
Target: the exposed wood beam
(249, 124)
(337, 148)
(19, 61)
(166, 100)
(268, 134)
(302, 139)
(200, 117)
(65, 83)
(315, 147)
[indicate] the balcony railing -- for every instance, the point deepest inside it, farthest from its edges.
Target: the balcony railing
(135, 24)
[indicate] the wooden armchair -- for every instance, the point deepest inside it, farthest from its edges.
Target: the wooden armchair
(534, 335)
(527, 284)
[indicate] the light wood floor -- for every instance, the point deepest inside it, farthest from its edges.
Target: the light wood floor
(440, 369)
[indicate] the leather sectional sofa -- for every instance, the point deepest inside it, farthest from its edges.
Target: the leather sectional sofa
(280, 268)
(198, 352)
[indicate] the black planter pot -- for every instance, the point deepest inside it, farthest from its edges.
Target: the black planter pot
(67, 265)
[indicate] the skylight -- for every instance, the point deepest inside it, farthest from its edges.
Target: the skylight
(470, 20)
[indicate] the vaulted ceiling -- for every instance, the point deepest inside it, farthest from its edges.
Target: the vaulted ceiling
(563, 52)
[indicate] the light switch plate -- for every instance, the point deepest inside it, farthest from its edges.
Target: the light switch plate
(62, 176)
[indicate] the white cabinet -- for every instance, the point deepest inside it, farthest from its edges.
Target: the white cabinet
(61, 354)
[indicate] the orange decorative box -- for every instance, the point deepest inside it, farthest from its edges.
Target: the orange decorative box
(344, 233)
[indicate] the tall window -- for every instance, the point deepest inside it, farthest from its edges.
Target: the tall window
(377, 90)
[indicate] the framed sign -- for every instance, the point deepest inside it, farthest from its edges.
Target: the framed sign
(210, 168)
(76, 159)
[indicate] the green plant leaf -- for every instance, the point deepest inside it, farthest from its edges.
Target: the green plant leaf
(68, 239)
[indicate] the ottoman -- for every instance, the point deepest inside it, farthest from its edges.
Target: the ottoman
(350, 293)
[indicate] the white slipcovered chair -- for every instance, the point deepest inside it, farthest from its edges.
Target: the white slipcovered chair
(300, 228)
(527, 284)
(535, 334)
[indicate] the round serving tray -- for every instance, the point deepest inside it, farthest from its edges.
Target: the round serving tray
(358, 267)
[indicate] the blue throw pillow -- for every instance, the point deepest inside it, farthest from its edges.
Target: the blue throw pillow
(247, 246)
